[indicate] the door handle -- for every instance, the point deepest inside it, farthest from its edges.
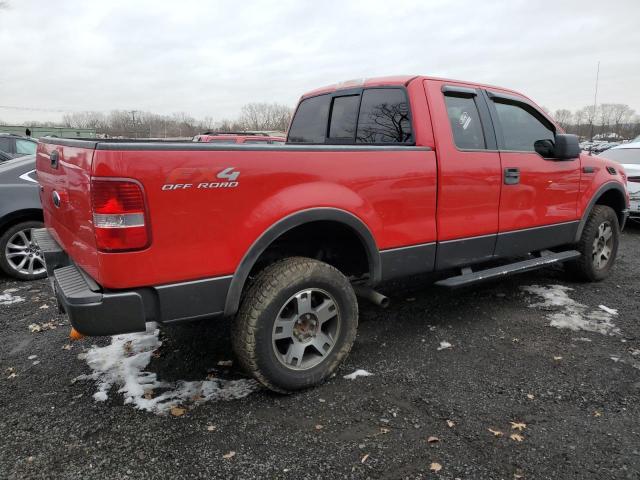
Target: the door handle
(54, 157)
(511, 176)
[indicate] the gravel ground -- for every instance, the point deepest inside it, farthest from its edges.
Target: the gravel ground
(577, 393)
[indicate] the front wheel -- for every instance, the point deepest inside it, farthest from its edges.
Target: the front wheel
(296, 324)
(598, 245)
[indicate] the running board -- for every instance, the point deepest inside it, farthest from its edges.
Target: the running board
(546, 258)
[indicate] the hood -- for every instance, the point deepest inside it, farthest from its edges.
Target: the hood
(632, 170)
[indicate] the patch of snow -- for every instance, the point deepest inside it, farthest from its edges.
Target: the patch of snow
(444, 346)
(611, 311)
(567, 313)
(358, 373)
(7, 297)
(122, 364)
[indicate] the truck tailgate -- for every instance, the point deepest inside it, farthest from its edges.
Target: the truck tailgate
(64, 174)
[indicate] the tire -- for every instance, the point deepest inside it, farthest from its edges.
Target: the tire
(598, 246)
(16, 246)
(294, 309)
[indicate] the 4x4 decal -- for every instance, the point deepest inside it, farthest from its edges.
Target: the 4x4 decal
(186, 178)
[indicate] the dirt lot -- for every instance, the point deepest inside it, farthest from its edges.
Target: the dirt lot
(577, 392)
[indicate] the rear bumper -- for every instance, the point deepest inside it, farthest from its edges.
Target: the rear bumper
(95, 311)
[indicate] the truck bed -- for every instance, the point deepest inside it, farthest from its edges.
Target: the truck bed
(202, 224)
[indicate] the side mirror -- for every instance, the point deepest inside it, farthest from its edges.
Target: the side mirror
(544, 148)
(566, 147)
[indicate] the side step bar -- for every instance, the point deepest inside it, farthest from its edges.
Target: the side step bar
(546, 258)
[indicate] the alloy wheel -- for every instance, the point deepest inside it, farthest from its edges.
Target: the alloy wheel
(602, 246)
(23, 255)
(306, 329)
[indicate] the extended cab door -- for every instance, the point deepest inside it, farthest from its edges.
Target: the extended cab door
(469, 174)
(539, 193)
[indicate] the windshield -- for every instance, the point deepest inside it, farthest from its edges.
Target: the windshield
(623, 155)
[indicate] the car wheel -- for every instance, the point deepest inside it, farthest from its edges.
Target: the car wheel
(296, 324)
(598, 245)
(19, 256)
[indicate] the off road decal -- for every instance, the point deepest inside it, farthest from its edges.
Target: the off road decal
(201, 178)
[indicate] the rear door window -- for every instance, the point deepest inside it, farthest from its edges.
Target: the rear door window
(310, 122)
(464, 119)
(521, 128)
(25, 147)
(384, 117)
(344, 116)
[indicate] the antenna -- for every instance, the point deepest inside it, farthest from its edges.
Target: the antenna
(595, 100)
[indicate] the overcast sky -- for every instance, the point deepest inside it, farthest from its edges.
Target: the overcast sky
(208, 58)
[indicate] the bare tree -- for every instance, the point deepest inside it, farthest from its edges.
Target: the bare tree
(95, 120)
(563, 117)
(620, 114)
(265, 116)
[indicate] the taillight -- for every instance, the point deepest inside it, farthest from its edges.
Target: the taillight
(119, 215)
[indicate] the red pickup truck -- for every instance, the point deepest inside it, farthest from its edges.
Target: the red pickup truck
(379, 179)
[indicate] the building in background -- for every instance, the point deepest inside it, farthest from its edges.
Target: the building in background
(37, 132)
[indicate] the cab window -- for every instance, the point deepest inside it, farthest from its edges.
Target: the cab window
(521, 127)
(464, 119)
(384, 117)
(344, 115)
(310, 122)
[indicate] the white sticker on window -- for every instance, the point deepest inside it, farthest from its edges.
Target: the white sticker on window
(465, 120)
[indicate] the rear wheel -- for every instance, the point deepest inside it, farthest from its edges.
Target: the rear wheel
(296, 324)
(598, 245)
(19, 256)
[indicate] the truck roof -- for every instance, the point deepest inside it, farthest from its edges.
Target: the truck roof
(394, 80)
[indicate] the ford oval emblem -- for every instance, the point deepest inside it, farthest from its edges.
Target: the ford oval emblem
(56, 199)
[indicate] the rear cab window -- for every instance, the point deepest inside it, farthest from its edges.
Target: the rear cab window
(310, 122)
(384, 117)
(376, 116)
(344, 116)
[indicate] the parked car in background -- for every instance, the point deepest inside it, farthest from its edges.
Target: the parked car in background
(628, 155)
(238, 137)
(597, 146)
(20, 211)
(17, 146)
